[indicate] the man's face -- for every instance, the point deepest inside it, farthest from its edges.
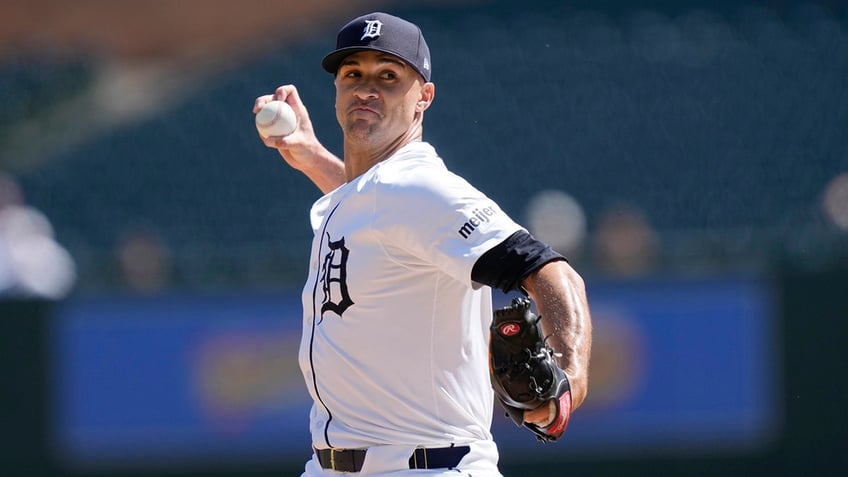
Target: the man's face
(378, 97)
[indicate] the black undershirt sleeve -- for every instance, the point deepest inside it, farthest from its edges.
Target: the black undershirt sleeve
(507, 264)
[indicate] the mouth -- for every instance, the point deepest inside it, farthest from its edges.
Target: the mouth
(361, 108)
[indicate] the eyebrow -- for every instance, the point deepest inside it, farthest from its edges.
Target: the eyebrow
(380, 59)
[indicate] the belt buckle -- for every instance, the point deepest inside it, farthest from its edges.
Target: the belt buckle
(333, 459)
(415, 458)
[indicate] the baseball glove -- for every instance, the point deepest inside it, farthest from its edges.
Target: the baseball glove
(523, 371)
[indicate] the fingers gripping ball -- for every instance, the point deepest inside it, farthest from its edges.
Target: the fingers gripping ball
(523, 371)
(276, 118)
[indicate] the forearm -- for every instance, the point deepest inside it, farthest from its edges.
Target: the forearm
(560, 297)
(322, 167)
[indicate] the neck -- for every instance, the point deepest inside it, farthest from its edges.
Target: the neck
(360, 156)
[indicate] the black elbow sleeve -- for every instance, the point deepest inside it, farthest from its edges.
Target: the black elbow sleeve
(507, 264)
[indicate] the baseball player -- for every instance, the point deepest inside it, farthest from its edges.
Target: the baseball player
(397, 305)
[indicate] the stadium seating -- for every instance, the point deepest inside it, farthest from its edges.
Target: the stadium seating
(706, 119)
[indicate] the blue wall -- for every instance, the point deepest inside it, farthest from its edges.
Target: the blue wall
(678, 366)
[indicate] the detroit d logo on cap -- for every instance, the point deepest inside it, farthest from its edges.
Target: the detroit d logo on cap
(372, 29)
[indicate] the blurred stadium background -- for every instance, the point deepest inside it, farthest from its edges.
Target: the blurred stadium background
(690, 157)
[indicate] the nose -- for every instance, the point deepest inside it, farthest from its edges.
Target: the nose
(365, 91)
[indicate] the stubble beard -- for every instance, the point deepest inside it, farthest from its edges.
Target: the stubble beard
(361, 132)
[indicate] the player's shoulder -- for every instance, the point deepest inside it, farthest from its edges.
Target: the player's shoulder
(413, 156)
(417, 165)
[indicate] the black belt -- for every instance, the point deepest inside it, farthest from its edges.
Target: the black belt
(351, 460)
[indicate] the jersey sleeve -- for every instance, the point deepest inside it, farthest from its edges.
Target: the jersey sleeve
(441, 219)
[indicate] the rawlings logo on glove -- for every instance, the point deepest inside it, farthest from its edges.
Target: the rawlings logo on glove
(523, 371)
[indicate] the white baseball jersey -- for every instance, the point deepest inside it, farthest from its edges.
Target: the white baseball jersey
(395, 333)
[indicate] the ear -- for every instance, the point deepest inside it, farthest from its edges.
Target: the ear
(428, 94)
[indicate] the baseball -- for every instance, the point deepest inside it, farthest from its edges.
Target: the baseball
(276, 118)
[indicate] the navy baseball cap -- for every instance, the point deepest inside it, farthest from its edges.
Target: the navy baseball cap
(381, 32)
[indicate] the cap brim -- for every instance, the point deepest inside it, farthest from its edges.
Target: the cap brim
(334, 59)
